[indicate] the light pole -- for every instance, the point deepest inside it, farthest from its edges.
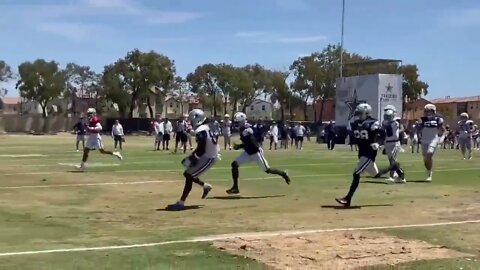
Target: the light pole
(341, 39)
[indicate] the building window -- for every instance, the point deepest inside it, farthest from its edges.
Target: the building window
(263, 107)
(171, 105)
(251, 108)
(177, 105)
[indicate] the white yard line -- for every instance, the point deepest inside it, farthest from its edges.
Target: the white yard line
(210, 180)
(220, 168)
(232, 236)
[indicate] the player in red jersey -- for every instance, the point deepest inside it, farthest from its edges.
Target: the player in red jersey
(94, 139)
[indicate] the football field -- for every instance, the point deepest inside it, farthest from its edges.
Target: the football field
(112, 216)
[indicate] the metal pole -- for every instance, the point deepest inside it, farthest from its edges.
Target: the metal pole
(341, 39)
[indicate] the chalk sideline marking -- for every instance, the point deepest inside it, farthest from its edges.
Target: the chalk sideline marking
(232, 236)
(214, 168)
(211, 180)
(93, 165)
(23, 155)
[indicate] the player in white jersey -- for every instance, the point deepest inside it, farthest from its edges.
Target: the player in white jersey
(226, 127)
(201, 160)
(465, 130)
(94, 140)
(431, 134)
(392, 128)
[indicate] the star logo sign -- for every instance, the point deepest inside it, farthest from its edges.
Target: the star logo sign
(352, 104)
(389, 88)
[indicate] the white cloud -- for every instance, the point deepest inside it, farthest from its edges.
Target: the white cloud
(172, 17)
(302, 39)
(249, 34)
(264, 37)
(72, 31)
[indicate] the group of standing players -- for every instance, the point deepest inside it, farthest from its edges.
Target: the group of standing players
(365, 132)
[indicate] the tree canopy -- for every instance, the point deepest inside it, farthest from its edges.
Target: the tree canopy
(146, 78)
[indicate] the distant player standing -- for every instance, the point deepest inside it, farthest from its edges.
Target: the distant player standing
(158, 128)
(299, 130)
(365, 130)
(465, 129)
(80, 129)
(94, 140)
(226, 127)
(252, 152)
(201, 160)
(431, 130)
(273, 135)
(392, 127)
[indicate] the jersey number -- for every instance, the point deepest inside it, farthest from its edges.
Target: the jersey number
(362, 134)
(213, 136)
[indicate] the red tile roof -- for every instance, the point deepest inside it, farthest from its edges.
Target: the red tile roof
(10, 100)
(455, 100)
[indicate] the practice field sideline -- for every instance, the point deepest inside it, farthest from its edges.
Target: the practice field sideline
(49, 214)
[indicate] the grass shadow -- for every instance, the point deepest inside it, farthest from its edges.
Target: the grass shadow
(375, 182)
(340, 207)
(187, 207)
(233, 197)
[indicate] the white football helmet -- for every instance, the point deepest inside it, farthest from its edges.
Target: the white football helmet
(389, 115)
(390, 107)
(363, 111)
(240, 117)
(430, 109)
(91, 112)
(197, 117)
(464, 116)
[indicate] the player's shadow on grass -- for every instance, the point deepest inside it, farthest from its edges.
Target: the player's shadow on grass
(187, 207)
(233, 197)
(379, 182)
(75, 171)
(340, 207)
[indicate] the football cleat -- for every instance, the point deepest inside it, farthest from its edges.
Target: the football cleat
(287, 178)
(233, 191)
(343, 201)
(118, 155)
(206, 189)
(175, 207)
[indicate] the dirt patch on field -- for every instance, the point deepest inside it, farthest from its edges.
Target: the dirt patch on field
(338, 250)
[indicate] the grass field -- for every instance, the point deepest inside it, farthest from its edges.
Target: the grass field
(45, 206)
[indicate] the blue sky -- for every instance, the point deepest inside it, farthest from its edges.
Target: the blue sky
(441, 36)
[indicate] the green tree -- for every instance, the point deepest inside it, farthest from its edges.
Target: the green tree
(279, 90)
(203, 81)
(139, 73)
(41, 81)
(412, 87)
(242, 88)
(258, 82)
(5, 71)
(81, 80)
(115, 90)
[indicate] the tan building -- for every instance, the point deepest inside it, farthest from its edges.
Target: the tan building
(414, 110)
(452, 107)
(9, 105)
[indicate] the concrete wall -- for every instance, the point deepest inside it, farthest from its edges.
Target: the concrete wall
(35, 123)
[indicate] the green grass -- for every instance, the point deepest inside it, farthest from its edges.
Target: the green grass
(47, 216)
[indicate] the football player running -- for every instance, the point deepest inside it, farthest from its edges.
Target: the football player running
(392, 128)
(252, 152)
(465, 130)
(94, 140)
(365, 130)
(201, 160)
(431, 134)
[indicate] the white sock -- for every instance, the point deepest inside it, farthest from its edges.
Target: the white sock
(429, 173)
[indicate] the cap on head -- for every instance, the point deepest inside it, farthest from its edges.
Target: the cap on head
(430, 109)
(226, 116)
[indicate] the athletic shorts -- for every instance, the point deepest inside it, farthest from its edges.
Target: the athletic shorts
(94, 143)
(258, 158)
(202, 166)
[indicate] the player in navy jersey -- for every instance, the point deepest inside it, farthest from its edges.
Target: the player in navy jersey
(431, 130)
(252, 152)
(365, 130)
